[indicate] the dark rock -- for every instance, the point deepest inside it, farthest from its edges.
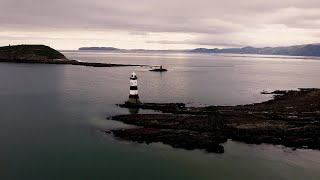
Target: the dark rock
(216, 148)
(158, 70)
(290, 119)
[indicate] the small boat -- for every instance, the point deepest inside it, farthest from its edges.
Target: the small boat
(158, 69)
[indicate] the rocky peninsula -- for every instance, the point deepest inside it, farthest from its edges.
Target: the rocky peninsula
(291, 118)
(41, 54)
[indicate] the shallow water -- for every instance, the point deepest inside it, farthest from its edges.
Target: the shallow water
(52, 116)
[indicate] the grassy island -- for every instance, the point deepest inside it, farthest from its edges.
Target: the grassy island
(41, 54)
(30, 52)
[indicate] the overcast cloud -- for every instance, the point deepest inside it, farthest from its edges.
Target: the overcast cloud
(154, 24)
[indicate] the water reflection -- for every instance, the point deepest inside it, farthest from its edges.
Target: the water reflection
(133, 110)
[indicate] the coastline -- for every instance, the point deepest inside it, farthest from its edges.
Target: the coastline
(65, 62)
(291, 118)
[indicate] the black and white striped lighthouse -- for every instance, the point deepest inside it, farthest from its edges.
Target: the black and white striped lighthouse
(133, 96)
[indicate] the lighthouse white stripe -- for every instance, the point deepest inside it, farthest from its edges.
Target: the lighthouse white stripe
(133, 92)
(133, 83)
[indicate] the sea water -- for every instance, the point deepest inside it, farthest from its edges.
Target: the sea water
(52, 117)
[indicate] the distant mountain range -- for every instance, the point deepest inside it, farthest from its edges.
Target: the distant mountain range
(98, 49)
(298, 50)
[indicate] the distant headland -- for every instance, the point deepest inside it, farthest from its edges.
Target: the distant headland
(41, 54)
(98, 49)
(297, 50)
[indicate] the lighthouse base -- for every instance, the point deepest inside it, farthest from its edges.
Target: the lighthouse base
(133, 99)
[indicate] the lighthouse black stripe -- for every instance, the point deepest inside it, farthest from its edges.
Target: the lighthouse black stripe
(133, 87)
(133, 78)
(133, 96)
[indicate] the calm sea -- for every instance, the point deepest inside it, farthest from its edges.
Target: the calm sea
(51, 117)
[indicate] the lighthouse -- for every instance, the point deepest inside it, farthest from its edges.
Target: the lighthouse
(133, 95)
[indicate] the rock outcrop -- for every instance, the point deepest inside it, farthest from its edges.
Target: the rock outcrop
(291, 119)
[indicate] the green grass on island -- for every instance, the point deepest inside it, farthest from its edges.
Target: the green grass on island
(30, 52)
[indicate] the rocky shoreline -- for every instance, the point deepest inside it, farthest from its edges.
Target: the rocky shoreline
(66, 62)
(291, 118)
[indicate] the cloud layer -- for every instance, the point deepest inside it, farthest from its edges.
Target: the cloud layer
(161, 24)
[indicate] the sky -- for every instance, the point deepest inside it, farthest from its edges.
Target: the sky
(159, 24)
